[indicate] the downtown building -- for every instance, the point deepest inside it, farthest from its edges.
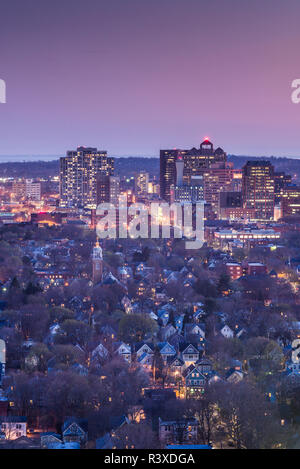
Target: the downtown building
(78, 176)
(258, 189)
(108, 189)
(196, 162)
(204, 173)
(182, 192)
(141, 183)
(290, 201)
(26, 189)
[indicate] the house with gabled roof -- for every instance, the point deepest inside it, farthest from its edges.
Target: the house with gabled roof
(75, 430)
(146, 360)
(13, 426)
(189, 353)
(205, 366)
(166, 332)
(195, 330)
(163, 316)
(175, 366)
(99, 353)
(124, 350)
(50, 439)
(142, 347)
(226, 332)
(234, 376)
(166, 350)
(178, 322)
(198, 315)
(194, 381)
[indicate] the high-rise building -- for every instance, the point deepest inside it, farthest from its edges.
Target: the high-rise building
(282, 181)
(168, 160)
(78, 176)
(196, 162)
(216, 179)
(108, 189)
(141, 182)
(259, 189)
(290, 200)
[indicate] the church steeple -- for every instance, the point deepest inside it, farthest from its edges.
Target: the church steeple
(97, 259)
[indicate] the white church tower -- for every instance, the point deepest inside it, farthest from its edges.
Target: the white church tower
(97, 259)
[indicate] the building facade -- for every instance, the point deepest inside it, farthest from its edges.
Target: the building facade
(259, 189)
(78, 176)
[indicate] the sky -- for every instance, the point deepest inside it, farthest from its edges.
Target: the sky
(134, 76)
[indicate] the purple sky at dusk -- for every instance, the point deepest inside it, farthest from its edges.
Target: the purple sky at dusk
(134, 76)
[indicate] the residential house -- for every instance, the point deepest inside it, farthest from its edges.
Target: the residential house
(13, 426)
(175, 366)
(166, 332)
(166, 350)
(204, 365)
(194, 381)
(227, 332)
(49, 439)
(189, 354)
(234, 376)
(178, 431)
(74, 430)
(124, 350)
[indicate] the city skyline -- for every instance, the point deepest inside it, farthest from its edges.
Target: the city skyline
(132, 86)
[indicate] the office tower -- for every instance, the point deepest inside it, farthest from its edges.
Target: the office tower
(216, 179)
(290, 200)
(153, 188)
(196, 162)
(97, 260)
(78, 176)
(108, 189)
(281, 181)
(237, 178)
(179, 171)
(258, 189)
(141, 183)
(168, 160)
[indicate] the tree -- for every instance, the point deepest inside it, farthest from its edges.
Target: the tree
(223, 283)
(206, 288)
(59, 314)
(74, 332)
(38, 357)
(158, 366)
(134, 327)
(251, 421)
(136, 436)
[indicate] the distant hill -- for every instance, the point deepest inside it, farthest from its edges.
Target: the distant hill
(129, 166)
